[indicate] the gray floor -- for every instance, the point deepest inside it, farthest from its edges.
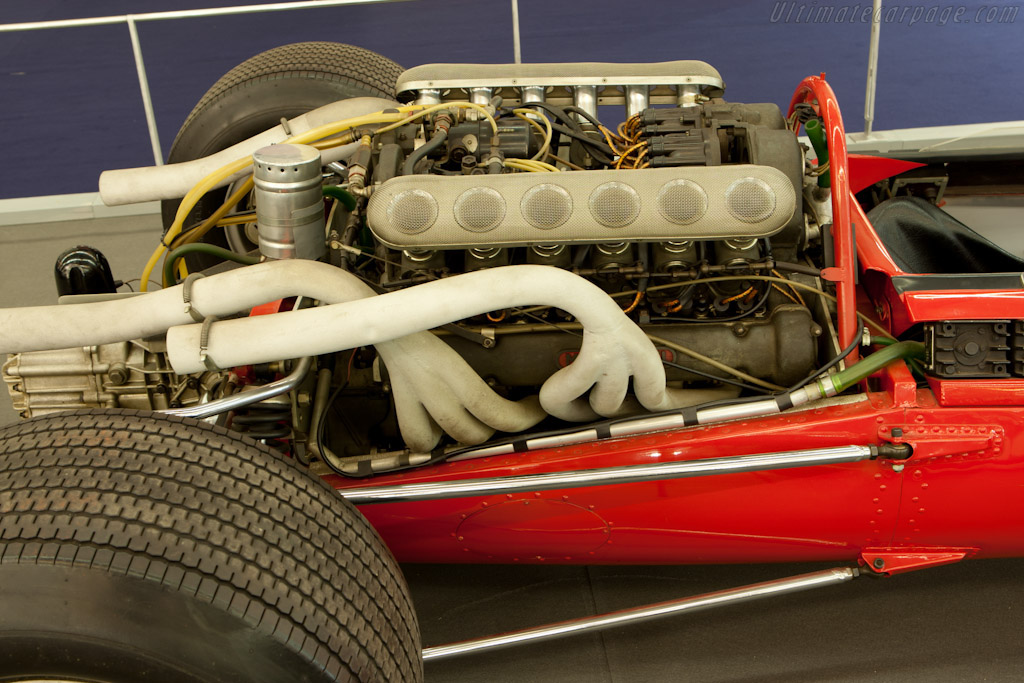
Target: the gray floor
(958, 623)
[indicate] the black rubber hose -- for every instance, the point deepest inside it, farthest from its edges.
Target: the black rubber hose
(435, 141)
(573, 109)
(798, 268)
(599, 149)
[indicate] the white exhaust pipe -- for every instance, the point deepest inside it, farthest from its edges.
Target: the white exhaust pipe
(172, 181)
(435, 389)
(614, 349)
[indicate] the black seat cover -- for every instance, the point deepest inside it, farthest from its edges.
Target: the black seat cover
(922, 238)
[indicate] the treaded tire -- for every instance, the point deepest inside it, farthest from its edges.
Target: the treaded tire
(283, 82)
(142, 547)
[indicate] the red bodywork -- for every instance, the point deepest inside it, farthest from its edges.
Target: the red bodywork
(958, 496)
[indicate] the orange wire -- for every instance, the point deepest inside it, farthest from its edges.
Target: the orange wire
(497, 319)
(742, 294)
(784, 293)
(624, 155)
(640, 157)
(608, 138)
(796, 293)
(636, 302)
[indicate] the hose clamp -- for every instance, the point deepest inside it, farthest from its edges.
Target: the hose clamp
(186, 295)
(204, 344)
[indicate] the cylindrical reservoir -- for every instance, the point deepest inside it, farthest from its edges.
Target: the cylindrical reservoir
(289, 202)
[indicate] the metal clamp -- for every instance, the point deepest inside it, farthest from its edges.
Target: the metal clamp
(204, 344)
(186, 295)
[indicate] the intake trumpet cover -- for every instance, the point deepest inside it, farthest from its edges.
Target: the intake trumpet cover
(522, 209)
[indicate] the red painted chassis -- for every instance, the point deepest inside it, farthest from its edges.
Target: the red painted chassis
(957, 496)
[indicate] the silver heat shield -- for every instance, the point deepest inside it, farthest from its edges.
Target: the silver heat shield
(520, 209)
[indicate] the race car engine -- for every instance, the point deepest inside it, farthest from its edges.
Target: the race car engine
(493, 258)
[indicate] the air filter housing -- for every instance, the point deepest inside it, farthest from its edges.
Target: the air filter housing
(519, 209)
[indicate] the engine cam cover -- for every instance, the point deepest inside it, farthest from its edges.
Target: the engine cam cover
(519, 209)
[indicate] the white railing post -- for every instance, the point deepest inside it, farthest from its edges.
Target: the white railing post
(872, 84)
(147, 100)
(517, 54)
(132, 19)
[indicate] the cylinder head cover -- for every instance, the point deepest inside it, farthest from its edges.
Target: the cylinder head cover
(289, 202)
(596, 207)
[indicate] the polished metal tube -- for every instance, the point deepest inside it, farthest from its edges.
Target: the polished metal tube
(428, 97)
(627, 474)
(637, 99)
(245, 398)
(688, 95)
(481, 96)
(828, 577)
(585, 97)
(533, 93)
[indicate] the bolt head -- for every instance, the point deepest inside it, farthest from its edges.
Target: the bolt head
(878, 563)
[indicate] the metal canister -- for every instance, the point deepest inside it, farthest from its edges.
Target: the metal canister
(289, 202)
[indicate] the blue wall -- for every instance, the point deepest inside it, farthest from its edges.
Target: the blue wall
(70, 104)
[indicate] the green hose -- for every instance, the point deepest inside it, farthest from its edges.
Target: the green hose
(871, 364)
(817, 135)
(343, 196)
(170, 265)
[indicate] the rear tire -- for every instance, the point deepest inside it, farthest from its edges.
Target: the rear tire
(283, 82)
(136, 546)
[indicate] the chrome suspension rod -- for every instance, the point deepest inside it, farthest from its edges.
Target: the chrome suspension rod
(464, 488)
(635, 615)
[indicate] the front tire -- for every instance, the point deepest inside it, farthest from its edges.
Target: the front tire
(135, 546)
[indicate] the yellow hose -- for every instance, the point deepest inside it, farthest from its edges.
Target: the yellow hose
(396, 119)
(547, 132)
(530, 165)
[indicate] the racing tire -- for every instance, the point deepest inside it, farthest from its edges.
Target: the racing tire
(283, 82)
(135, 546)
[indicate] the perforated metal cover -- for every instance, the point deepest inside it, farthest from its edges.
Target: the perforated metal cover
(480, 209)
(513, 209)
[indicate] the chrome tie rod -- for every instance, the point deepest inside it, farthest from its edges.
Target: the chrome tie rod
(463, 488)
(828, 577)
